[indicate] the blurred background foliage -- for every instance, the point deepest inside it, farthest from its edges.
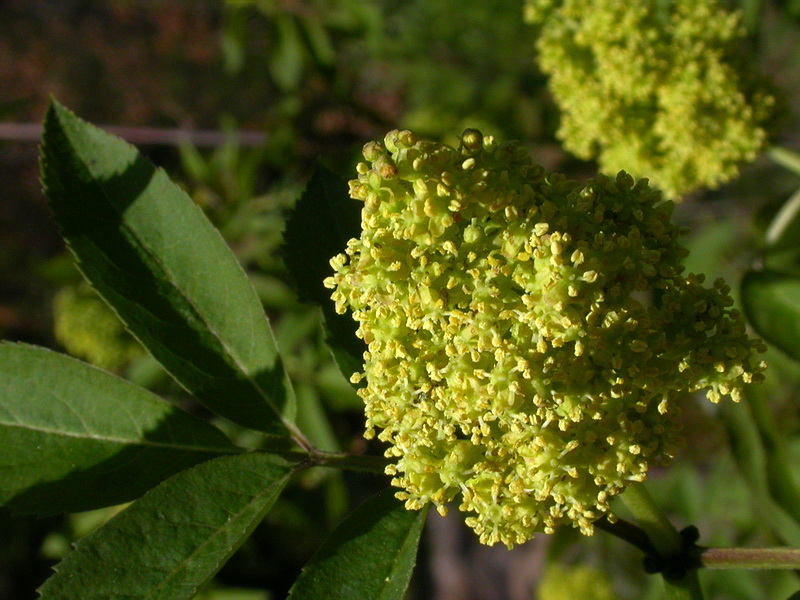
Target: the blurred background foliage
(318, 78)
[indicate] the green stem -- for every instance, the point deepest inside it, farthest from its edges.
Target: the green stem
(352, 462)
(751, 558)
(785, 158)
(664, 537)
(627, 532)
(314, 457)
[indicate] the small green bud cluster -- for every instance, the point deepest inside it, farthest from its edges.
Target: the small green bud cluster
(660, 89)
(514, 358)
(89, 329)
(578, 582)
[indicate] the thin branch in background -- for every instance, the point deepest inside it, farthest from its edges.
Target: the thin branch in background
(31, 132)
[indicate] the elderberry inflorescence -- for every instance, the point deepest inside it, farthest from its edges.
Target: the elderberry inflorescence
(662, 89)
(528, 335)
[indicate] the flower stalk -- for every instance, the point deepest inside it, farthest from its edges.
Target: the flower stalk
(662, 534)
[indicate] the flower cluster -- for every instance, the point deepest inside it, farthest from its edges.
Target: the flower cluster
(660, 89)
(89, 329)
(527, 335)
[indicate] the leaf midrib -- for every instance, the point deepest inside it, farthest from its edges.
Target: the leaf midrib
(156, 260)
(395, 569)
(117, 440)
(784, 295)
(228, 523)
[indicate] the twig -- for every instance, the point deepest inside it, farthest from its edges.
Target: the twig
(32, 132)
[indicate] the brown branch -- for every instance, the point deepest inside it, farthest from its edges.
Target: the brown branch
(32, 132)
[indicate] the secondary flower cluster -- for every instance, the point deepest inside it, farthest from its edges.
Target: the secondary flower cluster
(514, 357)
(88, 329)
(660, 89)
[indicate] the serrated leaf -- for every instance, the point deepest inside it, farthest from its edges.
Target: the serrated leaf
(323, 221)
(370, 556)
(170, 542)
(155, 258)
(76, 438)
(771, 300)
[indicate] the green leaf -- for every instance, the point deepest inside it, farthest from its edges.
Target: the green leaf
(155, 258)
(771, 300)
(784, 230)
(748, 452)
(370, 556)
(170, 542)
(323, 221)
(287, 61)
(76, 438)
(781, 481)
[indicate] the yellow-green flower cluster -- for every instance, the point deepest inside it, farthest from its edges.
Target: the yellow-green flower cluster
(89, 329)
(514, 358)
(659, 88)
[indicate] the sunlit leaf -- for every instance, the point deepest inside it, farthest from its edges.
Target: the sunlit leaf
(75, 438)
(155, 258)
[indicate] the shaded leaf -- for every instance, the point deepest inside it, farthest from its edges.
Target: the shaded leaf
(323, 221)
(155, 258)
(76, 438)
(313, 421)
(287, 61)
(771, 300)
(171, 541)
(780, 477)
(749, 454)
(370, 556)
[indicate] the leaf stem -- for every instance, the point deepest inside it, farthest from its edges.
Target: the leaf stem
(627, 532)
(352, 462)
(751, 558)
(337, 460)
